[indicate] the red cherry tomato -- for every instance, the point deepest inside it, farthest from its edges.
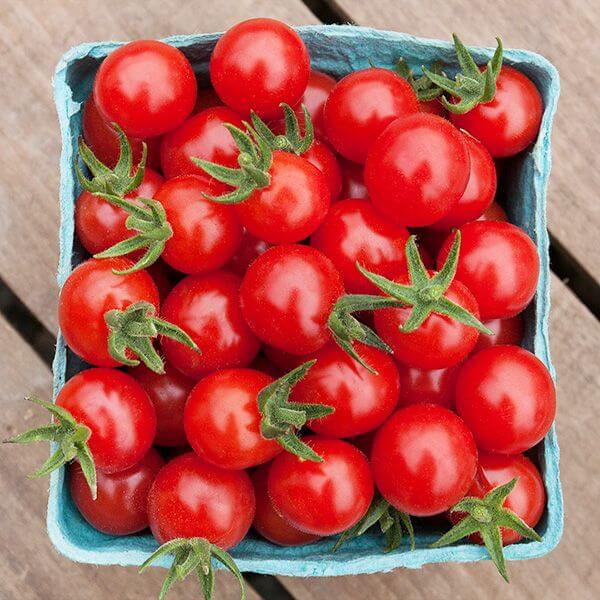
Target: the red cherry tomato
(506, 331)
(433, 107)
(207, 307)
(190, 498)
(222, 420)
(205, 234)
(268, 522)
(201, 136)
(121, 505)
(439, 342)
(480, 190)
(427, 387)
(361, 106)
(417, 170)
(353, 184)
(118, 412)
(147, 87)
(494, 212)
(424, 459)
(354, 231)
(322, 498)
(499, 264)
(322, 157)
(507, 398)
(287, 296)
(249, 249)
(511, 121)
(315, 95)
(362, 400)
(168, 393)
(257, 64)
(100, 225)
(90, 291)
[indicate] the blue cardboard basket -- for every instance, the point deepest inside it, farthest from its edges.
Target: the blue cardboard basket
(337, 50)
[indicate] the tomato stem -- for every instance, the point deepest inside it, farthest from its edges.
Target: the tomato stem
(425, 89)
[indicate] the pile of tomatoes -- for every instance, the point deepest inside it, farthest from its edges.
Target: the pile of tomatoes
(317, 301)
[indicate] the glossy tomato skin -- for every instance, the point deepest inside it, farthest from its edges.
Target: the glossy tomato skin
(511, 121)
(292, 206)
(222, 420)
(205, 234)
(423, 459)
(322, 157)
(89, 292)
(480, 190)
(322, 498)
(353, 182)
(362, 400)
(439, 342)
(168, 393)
(417, 170)
(418, 386)
(121, 505)
(507, 397)
(354, 231)
(267, 522)
(257, 64)
(118, 412)
(499, 264)
(506, 331)
(202, 135)
(361, 106)
(147, 87)
(100, 225)
(191, 498)
(287, 296)
(315, 95)
(250, 248)
(207, 307)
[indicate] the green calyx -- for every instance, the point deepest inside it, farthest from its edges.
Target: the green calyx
(254, 161)
(194, 555)
(472, 86)
(392, 524)
(486, 516)
(282, 419)
(133, 329)
(292, 140)
(424, 88)
(72, 439)
(425, 294)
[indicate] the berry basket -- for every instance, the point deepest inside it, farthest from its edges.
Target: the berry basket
(337, 50)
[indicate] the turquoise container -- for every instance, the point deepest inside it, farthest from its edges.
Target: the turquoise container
(337, 50)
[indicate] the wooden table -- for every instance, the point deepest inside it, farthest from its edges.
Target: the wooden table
(34, 34)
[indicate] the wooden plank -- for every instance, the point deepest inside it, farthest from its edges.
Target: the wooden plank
(31, 42)
(30, 568)
(569, 571)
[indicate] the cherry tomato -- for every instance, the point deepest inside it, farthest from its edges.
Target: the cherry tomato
(322, 157)
(499, 264)
(191, 498)
(100, 225)
(205, 234)
(257, 64)
(90, 291)
(249, 249)
(118, 412)
(103, 140)
(268, 522)
(287, 296)
(511, 121)
(354, 231)
(361, 106)
(147, 87)
(292, 206)
(316, 93)
(353, 184)
(121, 505)
(424, 459)
(362, 400)
(417, 170)
(168, 393)
(222, 420)
(427, 387)
(480, 190)
(506, 331)
(439, 342)
(507, 398)
(201, 136)
(322, 498)
(207, 307)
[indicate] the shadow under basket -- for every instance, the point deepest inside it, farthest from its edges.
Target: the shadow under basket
(337, 50)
